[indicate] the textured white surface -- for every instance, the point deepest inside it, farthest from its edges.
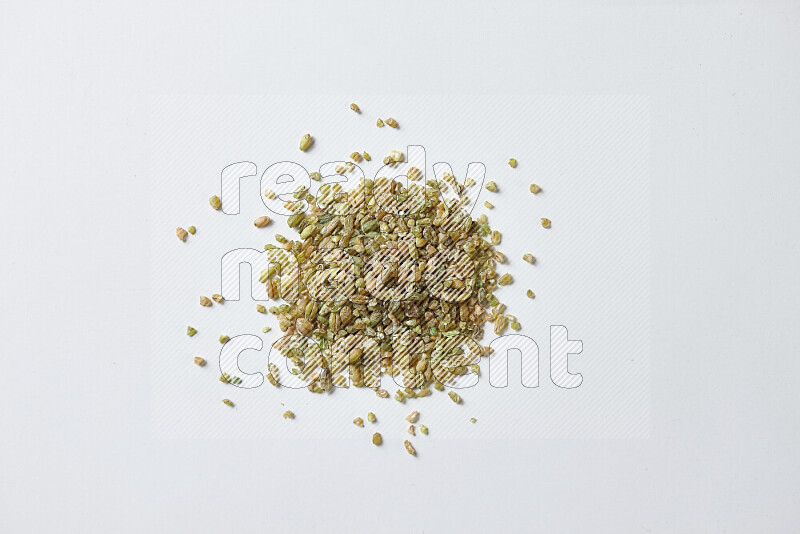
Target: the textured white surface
(77, 89)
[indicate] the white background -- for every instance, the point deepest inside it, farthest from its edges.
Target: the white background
(77, 84)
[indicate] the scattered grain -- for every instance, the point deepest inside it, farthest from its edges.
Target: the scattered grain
(306, 142)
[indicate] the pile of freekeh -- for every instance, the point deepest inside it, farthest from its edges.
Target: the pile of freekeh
(382, 278)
